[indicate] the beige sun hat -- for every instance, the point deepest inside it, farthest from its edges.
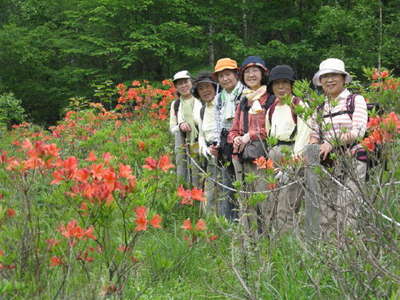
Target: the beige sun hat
(331, 65)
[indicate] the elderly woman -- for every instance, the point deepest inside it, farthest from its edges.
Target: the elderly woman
(344, 122)
(205, 89)
(292, 134)
(184, 124)
(248, 132)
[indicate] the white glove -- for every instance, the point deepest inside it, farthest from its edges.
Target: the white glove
(203, 149)
(245, 139)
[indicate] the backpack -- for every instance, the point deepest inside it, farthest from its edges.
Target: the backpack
(295, 101)
(361, 154)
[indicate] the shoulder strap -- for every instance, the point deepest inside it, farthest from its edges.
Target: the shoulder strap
(271, 110)
(219, 101)
(202, 110)
(350, 106)
(176, 106)
(295, 102)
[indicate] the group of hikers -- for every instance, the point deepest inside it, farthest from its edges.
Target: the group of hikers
(223, 118)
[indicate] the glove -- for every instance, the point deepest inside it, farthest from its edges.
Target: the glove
(245, 139)
(203, 149)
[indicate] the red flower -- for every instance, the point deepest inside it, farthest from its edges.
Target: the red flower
(125, 171)
(198, 194)
(164, 163)
(72, 230)
(55, 261)
(200, 225)
(187, 225)
(155, 221)
(151, 163)
(10, 212)
(141, 145)
(91, 156)
(263, 163)
(186, 195)
(141, 218)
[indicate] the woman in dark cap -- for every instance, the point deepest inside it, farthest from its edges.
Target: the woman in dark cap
(292, 134)
(205, 89)
(248, 132)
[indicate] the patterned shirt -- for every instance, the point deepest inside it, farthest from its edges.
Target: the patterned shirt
(341, 127)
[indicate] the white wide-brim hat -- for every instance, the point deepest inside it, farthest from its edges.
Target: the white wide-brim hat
(331, 65)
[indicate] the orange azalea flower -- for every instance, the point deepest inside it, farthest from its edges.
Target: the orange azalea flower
(91, 156)
(186, 195)
(55, 261)
(200, 225)
(82, 175)
(164, 163)
(141, 224)
(155, 221)
(125, 171)
(271, 186)
(151, 163)
(141, 145)
(263, 163)
(187, 225)
(136, 83)
(72, 230)
(10, 212)
(198, 194)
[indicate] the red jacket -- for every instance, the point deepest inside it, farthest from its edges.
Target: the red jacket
(256, 122)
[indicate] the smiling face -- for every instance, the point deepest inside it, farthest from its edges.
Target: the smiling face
(184, 87)
(332, 84)
(206, 91)
(227, 79)
(252, 77)
(281, 87)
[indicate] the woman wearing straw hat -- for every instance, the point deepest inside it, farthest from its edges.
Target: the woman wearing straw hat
(339, 132)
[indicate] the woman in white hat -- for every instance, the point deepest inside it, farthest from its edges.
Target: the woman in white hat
(184, 124)
(342, 122)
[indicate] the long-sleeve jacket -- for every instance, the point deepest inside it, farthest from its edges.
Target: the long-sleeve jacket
(256, 122)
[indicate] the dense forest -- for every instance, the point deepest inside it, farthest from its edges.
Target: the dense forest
(53, 50)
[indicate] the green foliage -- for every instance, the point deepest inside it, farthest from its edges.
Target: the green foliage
(52, 51)
(11, 110)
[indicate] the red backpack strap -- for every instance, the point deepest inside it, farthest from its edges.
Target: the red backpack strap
(271, 110)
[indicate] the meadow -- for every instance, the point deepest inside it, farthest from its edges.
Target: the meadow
(90, 209)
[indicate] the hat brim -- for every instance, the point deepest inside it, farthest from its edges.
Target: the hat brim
(317, 81)
(183, 77)
(251, 65)
(215, 74)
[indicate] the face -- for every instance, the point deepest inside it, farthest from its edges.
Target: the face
(227, 79)
(281, 87)
(252, 77)
(206, 91)
(332, 84)
(184, 87)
